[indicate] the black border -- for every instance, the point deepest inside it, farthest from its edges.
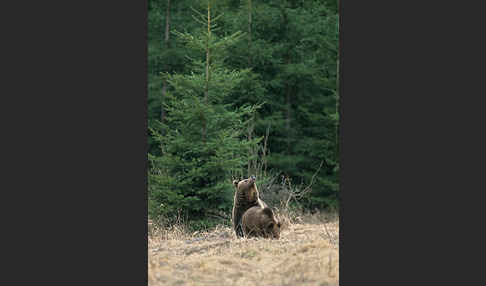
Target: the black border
(76, 139)
(410, 142)
(74, 145)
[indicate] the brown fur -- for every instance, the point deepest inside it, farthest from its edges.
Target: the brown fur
(246, 196)
(260, 222)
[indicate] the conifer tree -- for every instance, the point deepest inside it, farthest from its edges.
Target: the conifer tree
(203, 144)
(294, 53)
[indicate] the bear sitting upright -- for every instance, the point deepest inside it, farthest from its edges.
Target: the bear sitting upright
(246, 196)
(260, 222)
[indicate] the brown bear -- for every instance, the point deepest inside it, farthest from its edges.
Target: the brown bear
(260, 222)
(246, 196)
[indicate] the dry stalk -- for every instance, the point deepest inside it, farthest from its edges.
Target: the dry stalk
(296, 193)
(331, 238)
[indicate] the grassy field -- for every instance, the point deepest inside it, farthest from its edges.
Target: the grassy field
(306, 254)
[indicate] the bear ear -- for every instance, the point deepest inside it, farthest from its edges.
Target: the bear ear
(268, 211)
(235, 183)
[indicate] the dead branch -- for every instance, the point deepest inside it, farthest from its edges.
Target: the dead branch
(296, 193)
(308, 188)
(331, 238)
(219, 215)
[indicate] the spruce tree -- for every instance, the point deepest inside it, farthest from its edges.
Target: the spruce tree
(204, 143)
(294, 55)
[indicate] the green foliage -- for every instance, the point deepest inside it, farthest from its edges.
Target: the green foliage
(202, 142)
(280, 73)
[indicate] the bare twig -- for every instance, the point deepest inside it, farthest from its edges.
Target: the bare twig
(207, 247)
(265, 150)
(331, 238)
(296, 193)
(312, 180)
(218, 215)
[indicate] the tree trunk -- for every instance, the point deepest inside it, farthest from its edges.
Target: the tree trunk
(289, 106)
(249, 33)
(287, 120)
(164, 91)
(207, 55)
(250, 127)
(206, 89)
(251, 163)
(166, 44)
(287, 84)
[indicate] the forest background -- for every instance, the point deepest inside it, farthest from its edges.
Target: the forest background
(239, 88)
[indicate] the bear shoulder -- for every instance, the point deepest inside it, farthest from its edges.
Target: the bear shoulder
(260, 222)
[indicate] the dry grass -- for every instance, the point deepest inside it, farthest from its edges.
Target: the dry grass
(306, 254)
